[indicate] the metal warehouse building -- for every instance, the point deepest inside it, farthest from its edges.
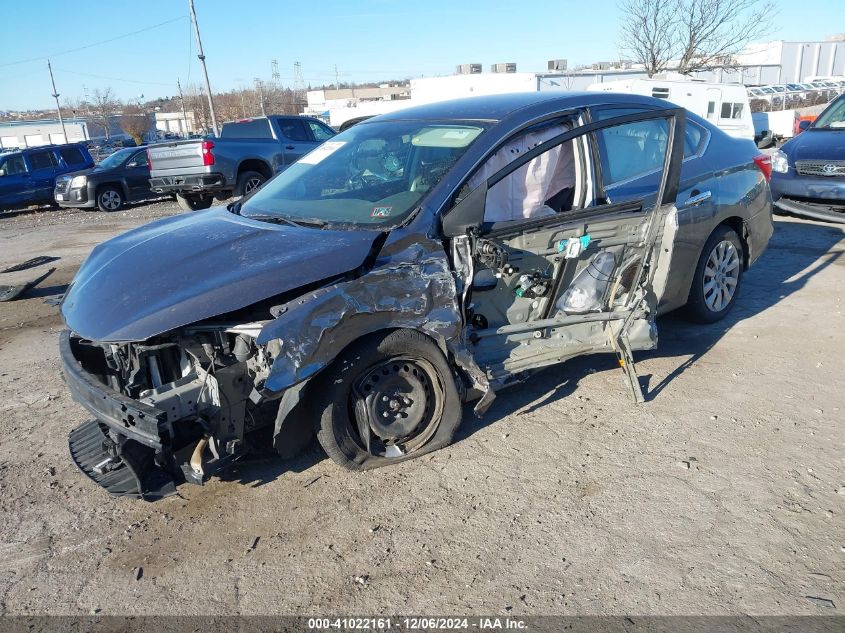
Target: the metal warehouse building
(16, 134)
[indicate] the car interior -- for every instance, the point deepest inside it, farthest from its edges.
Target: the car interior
(534, 214)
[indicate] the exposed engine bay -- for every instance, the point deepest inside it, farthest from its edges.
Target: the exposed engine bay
(202, 386)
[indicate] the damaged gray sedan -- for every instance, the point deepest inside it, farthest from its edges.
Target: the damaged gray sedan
(414, 262)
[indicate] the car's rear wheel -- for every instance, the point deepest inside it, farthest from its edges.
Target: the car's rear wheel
(109, 199)
(248, 182)
(193, 202)
(387, 398)
(718, 277)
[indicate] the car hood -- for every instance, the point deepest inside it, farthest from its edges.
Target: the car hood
(80, 172)
(817, 145)
(183, 269)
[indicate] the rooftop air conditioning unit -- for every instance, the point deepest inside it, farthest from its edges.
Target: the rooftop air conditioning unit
(503, 68)
(468, 69)
(557, 64)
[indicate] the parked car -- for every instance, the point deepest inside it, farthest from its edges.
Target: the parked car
(28, 176)
(419, 259)
(248, 153)
(808, 172)
(353, 121)
(122, 177)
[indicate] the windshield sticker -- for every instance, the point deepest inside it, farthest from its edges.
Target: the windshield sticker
(381, 212)
(326, 149)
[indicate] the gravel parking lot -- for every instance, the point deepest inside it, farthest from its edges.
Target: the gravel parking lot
(723, 494)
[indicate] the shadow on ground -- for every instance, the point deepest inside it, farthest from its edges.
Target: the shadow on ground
(797, 251)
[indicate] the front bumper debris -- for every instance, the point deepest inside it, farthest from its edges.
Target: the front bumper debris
(131, 474)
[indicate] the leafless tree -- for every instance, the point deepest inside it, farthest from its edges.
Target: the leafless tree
(691, 35)
(104, 105)
(648, 32)
(135, 122)
(196, 101)
(712, 32)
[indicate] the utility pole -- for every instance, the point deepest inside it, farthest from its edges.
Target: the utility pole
(336, 85)
(184, 114)
(201, 57)
(56, 97)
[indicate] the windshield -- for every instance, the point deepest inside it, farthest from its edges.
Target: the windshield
(833, 117)
(372, 174)
(113, 160)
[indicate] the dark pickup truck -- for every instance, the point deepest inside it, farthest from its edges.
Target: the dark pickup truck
(247, 153)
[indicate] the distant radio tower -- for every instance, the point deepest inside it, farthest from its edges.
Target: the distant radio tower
(298, 87)
(274, 68)
(298, 81)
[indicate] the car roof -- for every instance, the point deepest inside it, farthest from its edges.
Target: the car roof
(497, 107)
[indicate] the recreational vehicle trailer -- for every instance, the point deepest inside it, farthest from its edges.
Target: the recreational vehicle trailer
(724, 105)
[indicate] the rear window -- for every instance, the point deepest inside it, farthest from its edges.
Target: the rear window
(42, 160)
(256, 128)
(72, 155)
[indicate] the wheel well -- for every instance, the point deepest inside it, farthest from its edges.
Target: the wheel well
(384, 332)
(114, 185)
(253, 164)
(741, 229)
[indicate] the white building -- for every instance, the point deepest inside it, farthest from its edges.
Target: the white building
(34, 133)
(337, 106)
(760, 64)
(175, 123)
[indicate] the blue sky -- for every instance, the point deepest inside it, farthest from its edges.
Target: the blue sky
(366, 39)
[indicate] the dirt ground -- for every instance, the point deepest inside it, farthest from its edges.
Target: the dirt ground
(723, 494)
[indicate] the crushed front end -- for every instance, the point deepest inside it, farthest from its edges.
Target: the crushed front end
(179, 407)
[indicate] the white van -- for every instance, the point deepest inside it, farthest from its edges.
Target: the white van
(724, 105)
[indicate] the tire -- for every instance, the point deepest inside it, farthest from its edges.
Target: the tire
(367, 378)
(712, 296)
(192, 202)
(110, 199)
(248, 182)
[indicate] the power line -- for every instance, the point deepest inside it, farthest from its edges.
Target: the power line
(130, 81)
(82, 48)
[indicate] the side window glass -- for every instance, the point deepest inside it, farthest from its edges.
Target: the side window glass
(543, 186)
(42, 160)
(294, 129)
(14, 165)
(694, 137)
(138, 159)
(632, 150)
(321, 132)
(731, 111)
(72, 155)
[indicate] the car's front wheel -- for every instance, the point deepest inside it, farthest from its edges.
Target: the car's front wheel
(718, 277)
(387, 398)
(109, 199)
